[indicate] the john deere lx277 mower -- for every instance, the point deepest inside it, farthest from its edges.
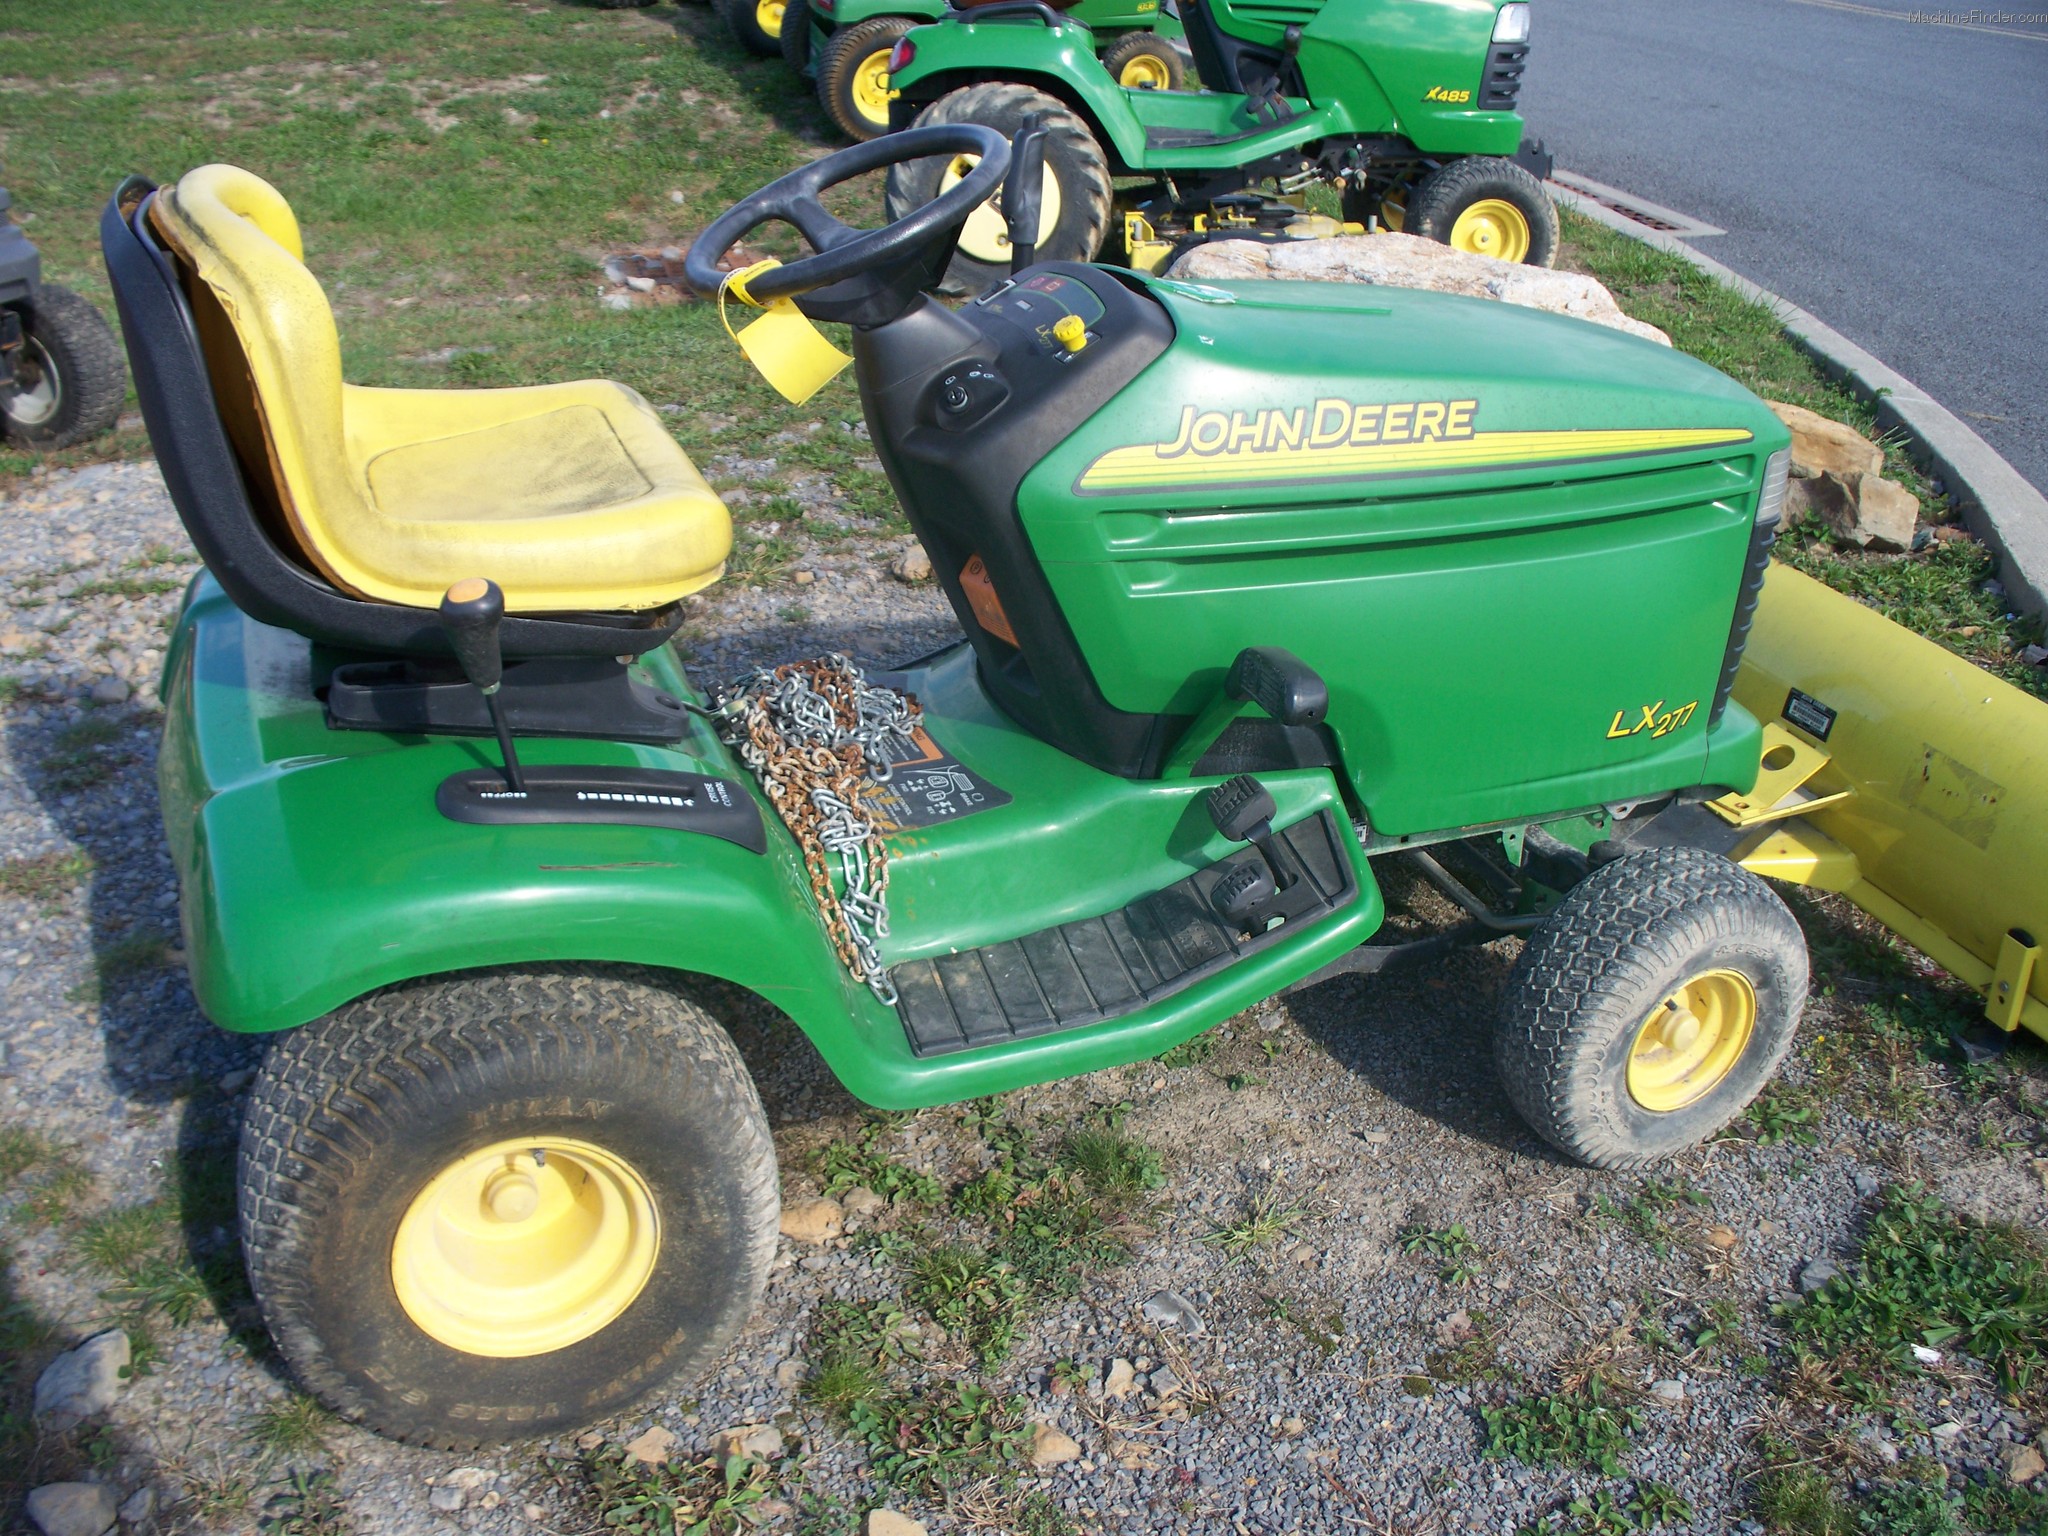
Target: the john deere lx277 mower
(1405, 108)
(1261, 588)
(846, 45)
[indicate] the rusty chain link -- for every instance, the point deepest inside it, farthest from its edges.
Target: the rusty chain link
(816, 734)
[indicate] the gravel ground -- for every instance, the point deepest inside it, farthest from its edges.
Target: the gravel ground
(1338, 1381)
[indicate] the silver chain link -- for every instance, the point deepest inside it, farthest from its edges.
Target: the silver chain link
(817, 735)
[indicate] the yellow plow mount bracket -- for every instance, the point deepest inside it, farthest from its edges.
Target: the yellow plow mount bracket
(1147, 252)
(1781, 783)
(2005, 999)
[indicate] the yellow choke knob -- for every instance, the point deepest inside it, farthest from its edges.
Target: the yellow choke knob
(1071, 332)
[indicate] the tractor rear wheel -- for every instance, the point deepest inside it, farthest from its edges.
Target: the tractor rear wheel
(1145, 61)
(1487, 206)
(1653, 1005)
(756, 24)
(505, 1203)
(853, 74)
(1074, 216)
(68, 379)
(794, 36)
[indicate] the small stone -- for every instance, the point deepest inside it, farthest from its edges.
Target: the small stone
(138, 1507)
(789, 1375)
(234, 1082)
(1877, 1445)
(1378, 1138)
(1667, 1394)
(640, 284)
(813, 1221)
(1948, 1431)
(886, 1522)
(651, 1446)
(1052, 1447)
(1121, 1380)
(1925, 1355)
(617, 301)
(803, 578)
(82, 1383)
(1170, 1309)
(1303, 1255)
(1723, 1238)
(534, 1512)
(469, 1479)
(2022, 1463)
(671, 253)
(912, 566)
(72, 1509)
(447, 1500)
(589, 1440)
(1292, 1428)
(1814, 1275)
(862, 1201)
(2034, 655)
(1865, 1184)
(111, 690)
(756, 1442)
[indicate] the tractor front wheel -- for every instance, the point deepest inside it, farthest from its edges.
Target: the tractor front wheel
(506, 1203)
(68, 381)
(1651, 1007)
(756, 24)
(1145, 61)
(853, 74)
(1074, 212)
(1487, 206)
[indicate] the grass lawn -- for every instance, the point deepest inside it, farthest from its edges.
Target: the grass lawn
(462, 167)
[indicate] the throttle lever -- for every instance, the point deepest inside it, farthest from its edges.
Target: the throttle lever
(1024, 192)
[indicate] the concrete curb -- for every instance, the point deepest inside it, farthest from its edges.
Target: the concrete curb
(1996, 502)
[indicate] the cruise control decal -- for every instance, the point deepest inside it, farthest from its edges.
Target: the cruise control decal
(1338, 439)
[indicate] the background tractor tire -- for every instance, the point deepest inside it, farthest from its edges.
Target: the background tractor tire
(794, 38)
(853, 74)
(1584, 1027)
(1076, 208)
(357, 1120)
(756, 24)
(1485, 205)
(1145, 61)
(69, 379)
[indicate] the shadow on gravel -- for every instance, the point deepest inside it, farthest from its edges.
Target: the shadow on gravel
(1423, 1034)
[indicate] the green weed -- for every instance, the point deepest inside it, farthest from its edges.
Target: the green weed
(1265, 1223)
(86, 753)
(700, 1496)
(1649, 1505)
(46, 877)
(944, 1435)
(1925, 1275)
(1452, 1247)
(1189, 1053)
(975, 1297)
(1780, 1114)
(1644, 1212)
(292, 1425)
(1112, 1164)
(128, 586)
(1326, 1335)
(1579, 1428)
(310, 1504)
(846, 1166)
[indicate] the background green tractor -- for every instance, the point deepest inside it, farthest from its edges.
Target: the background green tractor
(1404, 109)
(847, 44)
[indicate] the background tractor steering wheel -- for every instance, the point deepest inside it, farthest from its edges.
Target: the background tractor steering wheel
(863, 276)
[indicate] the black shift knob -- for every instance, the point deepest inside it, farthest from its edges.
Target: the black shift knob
(471, 611)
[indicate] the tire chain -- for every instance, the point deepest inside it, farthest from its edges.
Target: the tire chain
(815, 733)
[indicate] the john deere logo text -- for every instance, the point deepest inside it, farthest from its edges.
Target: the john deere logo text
(1438, 93)
(1653, 718)
(1326, 424)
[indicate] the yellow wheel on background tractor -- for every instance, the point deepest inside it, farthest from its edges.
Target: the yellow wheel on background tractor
(1492, 227)
(1692, 1040)
(985, 236)
(853, 75)
(1145, 61)
(505, 1203)
(525, 1246)
(1484, 205)
(1652, 1004)
(755, 24)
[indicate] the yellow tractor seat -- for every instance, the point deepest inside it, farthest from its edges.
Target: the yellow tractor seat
(572, 497)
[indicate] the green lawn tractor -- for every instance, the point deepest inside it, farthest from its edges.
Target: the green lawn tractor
(1264, 589)
(1404, 108)
(60, 367)
(847, 45)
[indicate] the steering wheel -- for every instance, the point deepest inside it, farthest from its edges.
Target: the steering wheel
(866, 276)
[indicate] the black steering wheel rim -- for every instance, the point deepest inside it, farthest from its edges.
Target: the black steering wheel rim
(841, 251)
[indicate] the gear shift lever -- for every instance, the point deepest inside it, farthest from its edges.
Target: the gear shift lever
(471, 611)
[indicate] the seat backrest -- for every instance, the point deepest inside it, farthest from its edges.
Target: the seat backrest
(218, 489)
(1226, 62)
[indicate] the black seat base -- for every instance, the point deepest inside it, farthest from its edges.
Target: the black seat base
(596, 697)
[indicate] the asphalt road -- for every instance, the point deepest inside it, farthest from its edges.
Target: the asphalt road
(1887, 174)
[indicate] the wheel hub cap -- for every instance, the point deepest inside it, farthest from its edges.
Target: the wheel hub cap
(34, 400)
(1691, 1041)
(1492, 227)
(1143, 73)
(985, 237)
(768, 16)
(524, 1247)
(871, 87)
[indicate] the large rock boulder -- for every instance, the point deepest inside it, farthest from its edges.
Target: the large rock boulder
(82, 1383)
(1409, 261)
(1838, 473)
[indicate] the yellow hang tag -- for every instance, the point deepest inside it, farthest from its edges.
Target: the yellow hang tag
(790, 353)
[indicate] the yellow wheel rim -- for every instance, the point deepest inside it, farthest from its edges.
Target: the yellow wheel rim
(1394, 211)
(985, 237)
(768, 16)
(1691, 1041)
(1144, 72)
(524, 1247)
(1492, 227)
(871, 88)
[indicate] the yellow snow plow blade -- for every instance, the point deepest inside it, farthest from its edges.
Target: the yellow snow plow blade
(1909, 780)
